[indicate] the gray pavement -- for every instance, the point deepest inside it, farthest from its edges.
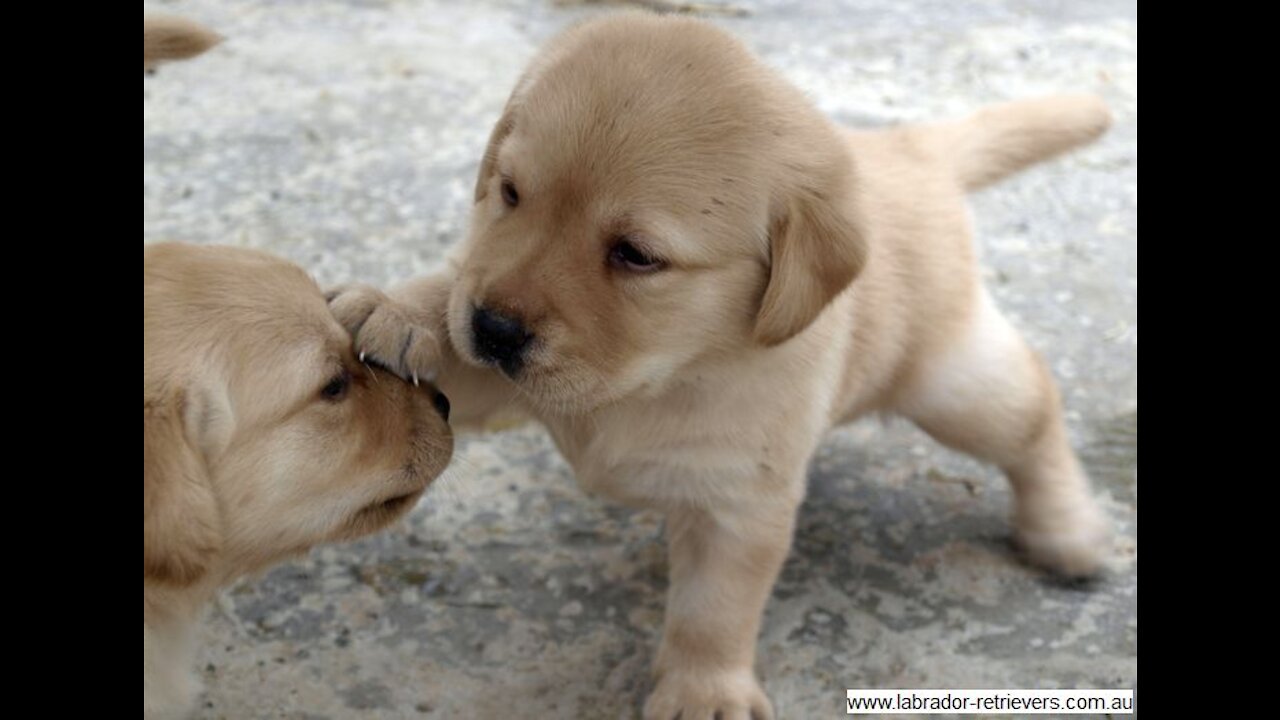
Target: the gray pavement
(345, 135)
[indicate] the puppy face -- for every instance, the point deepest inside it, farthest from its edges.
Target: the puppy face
(645, 204)
(262, 433)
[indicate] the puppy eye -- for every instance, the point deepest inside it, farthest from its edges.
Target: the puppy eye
(625, 255)
(336, 390)
(509, 194)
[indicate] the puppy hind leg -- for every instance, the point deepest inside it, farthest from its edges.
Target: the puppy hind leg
(991, 396)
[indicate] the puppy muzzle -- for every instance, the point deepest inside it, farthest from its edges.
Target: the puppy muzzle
(499, 339)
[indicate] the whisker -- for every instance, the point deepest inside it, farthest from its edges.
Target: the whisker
(459, 482)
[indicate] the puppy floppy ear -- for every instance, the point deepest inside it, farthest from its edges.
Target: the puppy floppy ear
(500, 132)
(816, 249)
(180, 529)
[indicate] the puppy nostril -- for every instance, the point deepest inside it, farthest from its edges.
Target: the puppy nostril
(498, 338)
(442, 404)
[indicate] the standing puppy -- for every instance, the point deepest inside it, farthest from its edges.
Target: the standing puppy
(688, 275)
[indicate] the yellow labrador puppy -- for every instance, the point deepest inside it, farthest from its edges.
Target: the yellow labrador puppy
(261, 436)
(688, 275)
(261, 433)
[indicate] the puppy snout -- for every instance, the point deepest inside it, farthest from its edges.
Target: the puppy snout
(499, 339)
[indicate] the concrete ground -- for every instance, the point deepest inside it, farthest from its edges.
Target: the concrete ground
(345, 135)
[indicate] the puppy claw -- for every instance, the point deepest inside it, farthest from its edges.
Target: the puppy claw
(392, 336)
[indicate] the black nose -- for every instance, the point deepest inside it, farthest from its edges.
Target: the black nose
(499, 339)
(442, 405)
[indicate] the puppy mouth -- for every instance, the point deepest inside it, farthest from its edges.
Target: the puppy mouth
(511, 368)
(384, 511)
(396, 504)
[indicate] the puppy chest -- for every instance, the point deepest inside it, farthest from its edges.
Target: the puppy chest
(644, 466)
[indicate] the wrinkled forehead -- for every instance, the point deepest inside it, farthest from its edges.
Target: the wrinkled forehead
(258, 317)
(607, 130)
(633, 154)
(218, 279)
(285, 368)
(284, 330)
(267, 301)
(276, 360)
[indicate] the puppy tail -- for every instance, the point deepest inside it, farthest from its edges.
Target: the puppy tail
(999, 140)
(165, 37)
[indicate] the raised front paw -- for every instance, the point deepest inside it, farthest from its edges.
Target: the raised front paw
(708, 695)
(383, 331)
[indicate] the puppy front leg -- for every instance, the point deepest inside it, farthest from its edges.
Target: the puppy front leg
(404, 330)
(476, 393)
(723, 566)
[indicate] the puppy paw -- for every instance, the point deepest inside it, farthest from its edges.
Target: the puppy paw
(1075, 543)
(690, 695)
(390, 334)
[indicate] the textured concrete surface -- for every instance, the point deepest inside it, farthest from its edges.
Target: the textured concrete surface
(345, 135)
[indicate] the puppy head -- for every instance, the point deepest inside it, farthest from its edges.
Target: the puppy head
(262, 433)
(652, 195)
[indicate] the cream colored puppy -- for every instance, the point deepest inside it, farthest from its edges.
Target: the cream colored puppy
(261, 436)
(261, 433)
(688, 275)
